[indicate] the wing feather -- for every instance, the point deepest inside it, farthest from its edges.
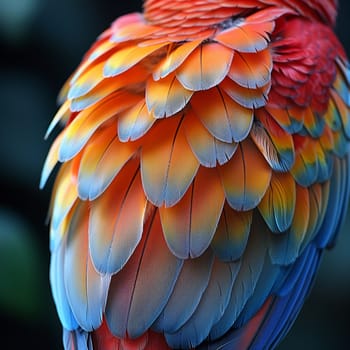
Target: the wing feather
(166, 96)
(79, 131)
(278, 205)
(225, 119)
(198, 72)
(232, 233)
(116, 220)
(210, 309)
(134, 122)
(251, 265)
(168, 164)
(187, 294)
(208, 150)
(242, 188)
(189, 226)
(130, 308)
(86, 288)
(95, 176)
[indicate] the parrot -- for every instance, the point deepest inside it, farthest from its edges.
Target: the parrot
(202, 170)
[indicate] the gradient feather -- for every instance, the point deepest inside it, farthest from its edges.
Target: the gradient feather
(204, 170)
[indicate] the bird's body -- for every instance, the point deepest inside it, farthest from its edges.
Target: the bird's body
(205, 170)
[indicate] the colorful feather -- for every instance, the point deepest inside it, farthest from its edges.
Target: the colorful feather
(204, 169)
(168, 165)
(113, 240)
(243, 189)
(148, 267)
(189, 225)
(86, 289)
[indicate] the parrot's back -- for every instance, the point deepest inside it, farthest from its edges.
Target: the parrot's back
(204, 171)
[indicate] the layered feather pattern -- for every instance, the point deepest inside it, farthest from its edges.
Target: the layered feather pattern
(204, 168)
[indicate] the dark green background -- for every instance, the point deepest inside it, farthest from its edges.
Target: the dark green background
(41, 42)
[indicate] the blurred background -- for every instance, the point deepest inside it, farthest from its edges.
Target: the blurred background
(41, 42)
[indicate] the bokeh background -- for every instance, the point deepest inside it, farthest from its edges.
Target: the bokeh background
(41, 42)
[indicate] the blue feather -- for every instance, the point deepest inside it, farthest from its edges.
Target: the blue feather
(292, 273)
(267, 279)
(210, 309)
(188, 291)
(77, 339)
(246, 280)
(337, 204)
(285, 309)
(58, 289)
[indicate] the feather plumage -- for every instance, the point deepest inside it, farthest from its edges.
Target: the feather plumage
(165, 176)
(134, 122)
(232, 234)
(189, 288)
(189, 225)
(113, 240)
(129, 289)
(204, 171)
(242, 188)
(86, 288)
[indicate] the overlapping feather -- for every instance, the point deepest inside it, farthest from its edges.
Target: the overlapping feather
(191, 188)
